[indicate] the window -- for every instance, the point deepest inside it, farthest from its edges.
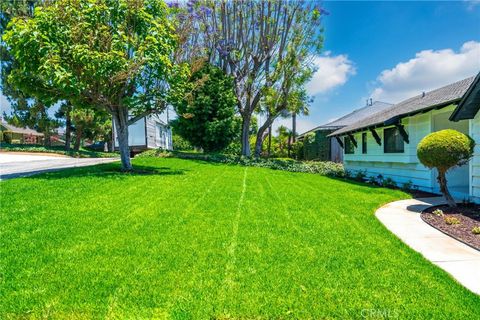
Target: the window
(393, 141)
(160, 136)
(364, 142)
(349, 148)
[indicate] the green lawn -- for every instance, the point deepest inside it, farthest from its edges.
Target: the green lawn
(200, 241)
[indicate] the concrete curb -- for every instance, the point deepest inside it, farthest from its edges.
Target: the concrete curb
(403, 219)
(46, 167)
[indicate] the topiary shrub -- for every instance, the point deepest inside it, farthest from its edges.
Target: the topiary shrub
(444, 150)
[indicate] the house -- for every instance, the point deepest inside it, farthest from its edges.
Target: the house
(149, 132)
(16, 135)
(324, 148)
(468, 110)
(386, 143)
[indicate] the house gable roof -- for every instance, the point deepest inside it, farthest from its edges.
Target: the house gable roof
(434, 99)
(352, 117)
(14, 129)
(469, 106)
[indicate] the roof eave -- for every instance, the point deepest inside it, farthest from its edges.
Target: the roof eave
(397, 119)
(468, 100)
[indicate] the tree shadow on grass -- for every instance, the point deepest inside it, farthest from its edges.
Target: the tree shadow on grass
(107, 171)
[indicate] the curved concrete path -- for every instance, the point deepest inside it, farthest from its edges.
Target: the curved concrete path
(403, 219)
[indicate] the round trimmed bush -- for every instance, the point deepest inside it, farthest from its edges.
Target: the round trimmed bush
(443, 150)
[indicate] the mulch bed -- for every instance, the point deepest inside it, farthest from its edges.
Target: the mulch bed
(467, 214)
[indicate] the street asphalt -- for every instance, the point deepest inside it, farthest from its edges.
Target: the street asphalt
(14, 165)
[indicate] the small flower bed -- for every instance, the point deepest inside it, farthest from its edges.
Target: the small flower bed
(461, 222)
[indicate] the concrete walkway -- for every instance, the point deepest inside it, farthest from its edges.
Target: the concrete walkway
(14, 165)
(403, 219)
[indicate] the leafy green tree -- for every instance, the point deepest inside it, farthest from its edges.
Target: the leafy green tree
(64, 114)
(82, 119)
(250, 40)
(445, 150)
(206, 110)
(25, 109)
(111, 55)
(84, 123)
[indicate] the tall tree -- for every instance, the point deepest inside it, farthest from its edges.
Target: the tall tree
(25, 109)
(286, 95)
(248, 39)
(206, 109)
(64, 114)
(111, 55)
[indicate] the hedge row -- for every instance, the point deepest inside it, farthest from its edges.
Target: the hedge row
(325, 168)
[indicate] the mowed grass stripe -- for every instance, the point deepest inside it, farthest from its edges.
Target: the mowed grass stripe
(94, 243)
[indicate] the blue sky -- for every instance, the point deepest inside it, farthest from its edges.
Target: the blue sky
(388, 50)
(391, 50)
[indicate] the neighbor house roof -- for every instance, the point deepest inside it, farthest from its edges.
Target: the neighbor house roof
(435, 99)
(14, 129)
(470, 104)
(352, 117)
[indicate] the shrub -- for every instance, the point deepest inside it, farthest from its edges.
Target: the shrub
(181, 144)
(380, 180)
(298, 150)
(443, 150)
(438, 212)
(451, 221)
(407, 186)
(326, 168)
(360, 175)
(389, 183)
(372, 180)
(476, 230)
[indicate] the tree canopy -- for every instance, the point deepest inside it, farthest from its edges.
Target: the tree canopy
(206, 110)
(112, 55)
(444, 150)
(252, 41)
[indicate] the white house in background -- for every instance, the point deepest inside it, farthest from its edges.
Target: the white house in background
(149, 132)
(328, 149)
(386, 143)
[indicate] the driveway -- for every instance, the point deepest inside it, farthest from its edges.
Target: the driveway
(14, 165)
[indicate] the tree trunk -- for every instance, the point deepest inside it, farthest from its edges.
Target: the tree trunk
(269, 141)
(120, 117)
(68, 128)
(246, 136)
(294, 127)
(289, 145)
(442, 181)
(78, 138)
(261, 136)
(259, 143)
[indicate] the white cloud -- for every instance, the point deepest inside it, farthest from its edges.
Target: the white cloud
(429, 70)
(332, 71)
(471, 4)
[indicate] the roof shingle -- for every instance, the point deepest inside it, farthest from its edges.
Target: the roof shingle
(435, 98)
(352, 117)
